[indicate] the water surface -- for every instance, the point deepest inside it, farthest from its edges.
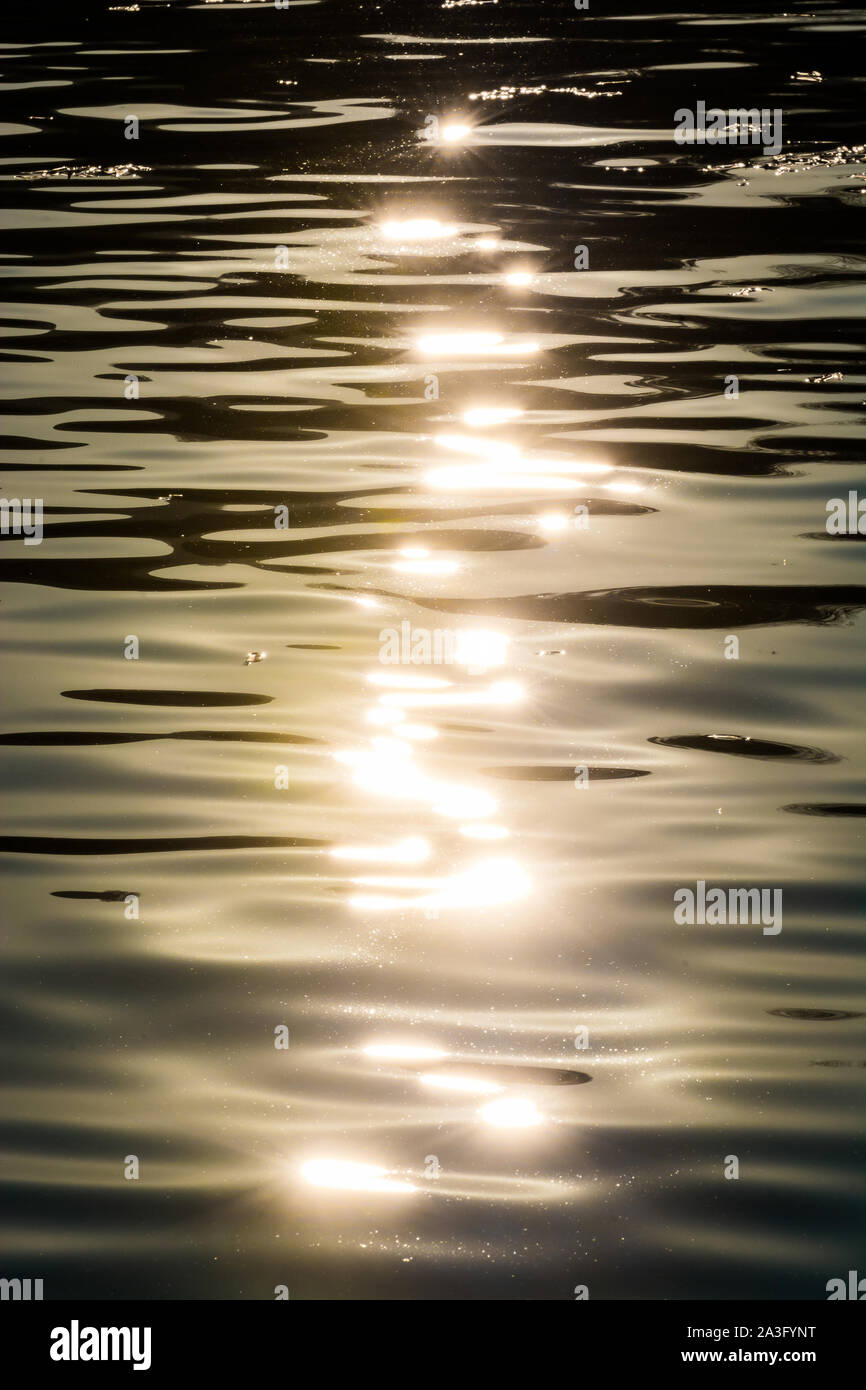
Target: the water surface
(244, 369)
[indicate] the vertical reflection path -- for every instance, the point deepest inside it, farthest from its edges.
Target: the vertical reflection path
(394, 760)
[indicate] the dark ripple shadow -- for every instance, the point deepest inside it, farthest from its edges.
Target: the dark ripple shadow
(108, 895)
(823, 536)
(191, 699)
(837, 1064)
(128, 574)
(542, 772)
(744, 746)
(515, 1075)
(687, 606)
(814, 1015)
(827, 808)
(72, 738)
(170, 844)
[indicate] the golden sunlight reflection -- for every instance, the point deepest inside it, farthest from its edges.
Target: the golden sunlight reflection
(406, 680)
(388, 769)
(517, 279)
(404, 1052)
(517, 1189)
(384, 716)
(499, 693)
(424, 564)
(412, 850)
(623, 485)
(479, 649)
(457, 802)
(488, 243)
(345, 1176)
(378, 902)
(512, 1112)
(478, 477)
(471, 1085)
(386, 766)
(493, 883)
(494, 449)
(416, 229)
(423, 733)
(453, 132)
(553, 522)
(479, 416)
(505, 469)
(472, 344)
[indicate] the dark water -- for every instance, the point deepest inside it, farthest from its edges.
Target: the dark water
(172, 382)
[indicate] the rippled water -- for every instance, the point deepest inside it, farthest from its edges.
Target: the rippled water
(243, 367)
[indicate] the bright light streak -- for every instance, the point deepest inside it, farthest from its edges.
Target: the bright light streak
(511, 1113)
(494, 449)
(388, 769)
(489, 884)
(352, 1177)
(623, 485)
(416, 229)
(472, 345)
(404, 1052)
(492, 883)
(417, 559)
(454, 132)
(424, 733)
(412, 850)
(425, 566)
(472, 1085)
(518, 278)
(532, 477)
(480, 650)
(553, 522)
(485, 832)
(406, 680)
(482, 415)
(506, 692)
(457, 802)
(500, 693)
(382, 715)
